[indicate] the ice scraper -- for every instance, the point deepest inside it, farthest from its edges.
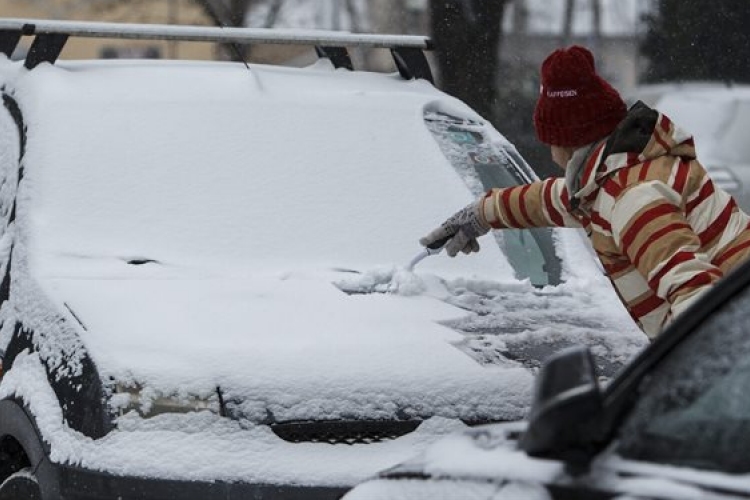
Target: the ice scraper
(432, 249)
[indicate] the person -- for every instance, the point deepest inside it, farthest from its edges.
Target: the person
(662, 229)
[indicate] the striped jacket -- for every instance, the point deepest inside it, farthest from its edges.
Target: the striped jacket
(662, 229)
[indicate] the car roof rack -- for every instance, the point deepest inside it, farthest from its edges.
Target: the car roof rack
(50, 38)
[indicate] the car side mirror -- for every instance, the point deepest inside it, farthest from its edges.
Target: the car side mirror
(566, 398)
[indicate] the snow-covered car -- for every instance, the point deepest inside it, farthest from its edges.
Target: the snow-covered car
(718, 116)
(674, 424)
(202, 272)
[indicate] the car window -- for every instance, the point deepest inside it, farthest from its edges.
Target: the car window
(485, 164)
(693, 408)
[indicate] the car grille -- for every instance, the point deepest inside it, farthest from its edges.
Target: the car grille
(344, 431)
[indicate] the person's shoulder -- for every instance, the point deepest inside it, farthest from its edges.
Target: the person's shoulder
(641, 117)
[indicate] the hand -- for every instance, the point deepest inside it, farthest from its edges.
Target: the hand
(460, 232)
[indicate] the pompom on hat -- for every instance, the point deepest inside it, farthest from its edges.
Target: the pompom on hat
(576, 106)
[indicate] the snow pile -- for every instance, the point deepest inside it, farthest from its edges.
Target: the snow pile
(395, 280)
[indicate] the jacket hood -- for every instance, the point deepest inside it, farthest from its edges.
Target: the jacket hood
(644, 134)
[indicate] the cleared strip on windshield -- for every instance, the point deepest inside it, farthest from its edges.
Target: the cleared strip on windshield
(483, 165)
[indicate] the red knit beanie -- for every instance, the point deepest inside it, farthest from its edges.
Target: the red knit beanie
(576, 106)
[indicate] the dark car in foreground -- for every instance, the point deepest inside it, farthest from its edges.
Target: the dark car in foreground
(673, 424)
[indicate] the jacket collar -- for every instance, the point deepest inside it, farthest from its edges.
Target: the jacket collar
(643, 135)
(576, 172)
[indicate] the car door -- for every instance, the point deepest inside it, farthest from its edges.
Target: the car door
(688, 433)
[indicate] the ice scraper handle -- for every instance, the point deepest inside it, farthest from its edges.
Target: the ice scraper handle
(459, 232)
(438, 245)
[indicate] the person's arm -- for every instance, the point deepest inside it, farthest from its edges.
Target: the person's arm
(539, 204)
(650, 227)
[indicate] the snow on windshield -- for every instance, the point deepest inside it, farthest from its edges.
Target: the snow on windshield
(235, 171)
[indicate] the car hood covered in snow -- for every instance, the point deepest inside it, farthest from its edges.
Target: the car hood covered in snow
(291, 347)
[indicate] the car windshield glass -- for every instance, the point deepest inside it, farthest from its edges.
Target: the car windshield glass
(694, 410)
(484, 163)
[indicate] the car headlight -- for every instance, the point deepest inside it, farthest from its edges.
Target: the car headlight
(148, 403)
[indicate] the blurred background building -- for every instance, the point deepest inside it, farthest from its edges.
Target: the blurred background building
(135, 11)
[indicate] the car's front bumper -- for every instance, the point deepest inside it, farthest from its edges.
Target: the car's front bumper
(75, 483)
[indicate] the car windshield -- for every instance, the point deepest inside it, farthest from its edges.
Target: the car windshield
(694, 409)
(207, 197)
(485, 162)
